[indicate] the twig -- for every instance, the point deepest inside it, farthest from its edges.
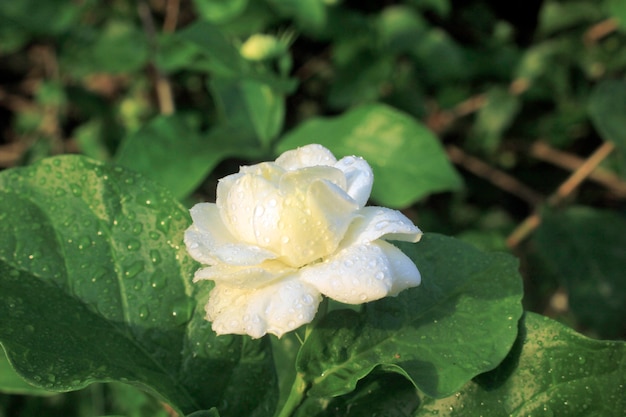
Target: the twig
(172, 9)
(545, 152)
(497, 177)
(564, 190)
(11, 153)
(600, 30)
(163, 87)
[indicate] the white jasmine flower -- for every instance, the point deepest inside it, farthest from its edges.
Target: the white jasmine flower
(283, 233)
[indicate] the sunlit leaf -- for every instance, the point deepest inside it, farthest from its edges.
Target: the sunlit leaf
(96, 286)
(407, 159)
(459, 323)
(551, 371)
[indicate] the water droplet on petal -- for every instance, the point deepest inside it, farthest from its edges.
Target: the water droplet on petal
(381, 224)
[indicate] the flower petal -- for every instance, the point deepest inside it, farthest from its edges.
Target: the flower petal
(277, 308)
(209, 242)
(381, 223)
(359, 178)
(244, 276)
(306, 156)
(362, 273)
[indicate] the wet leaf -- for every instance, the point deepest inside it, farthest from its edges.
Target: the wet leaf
(459, 323)
(407, 159)
(551, 371)
(93, 271)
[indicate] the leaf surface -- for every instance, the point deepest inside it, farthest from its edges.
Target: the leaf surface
(551, 371)
(96, 286)
(459, 323)
(407, 159)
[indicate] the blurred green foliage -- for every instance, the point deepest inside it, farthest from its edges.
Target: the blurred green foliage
(183, 92)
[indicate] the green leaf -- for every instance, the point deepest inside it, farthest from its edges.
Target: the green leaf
(551, 371)
(587, 248)
(120, 47)
(459, 323)
(310, 15)
(407, 159)
(252, 106)
(493, 119)
(205, 413)
(441, 58)
(556, 16)
(379, 394)
(12, 383)
(399, 27)
(223, 57)
(607, 110)
(96, 286)
(617, 9)
(34, 15)
(220, 10)
(360, 80)
(175, 155)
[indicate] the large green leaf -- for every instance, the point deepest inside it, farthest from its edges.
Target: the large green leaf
(551, 371)
(587, 248)
(175, 155)
(459, 323)
(407, 159)
(96, 286)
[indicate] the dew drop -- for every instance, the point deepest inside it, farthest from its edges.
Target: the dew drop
(380, 275)
(258, 211)
(144, 312)
(273, 202)
(285, 239)
(381, 224)
(133, 245)
(77, 191)
(134, 269)
(155, 257)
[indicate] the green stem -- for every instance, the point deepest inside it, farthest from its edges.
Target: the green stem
(300, 386)
(296, 396)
